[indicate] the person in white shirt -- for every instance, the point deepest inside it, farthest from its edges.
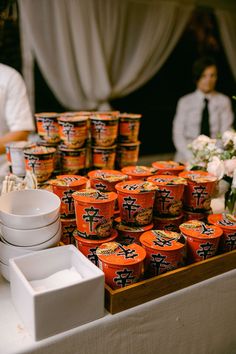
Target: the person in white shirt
(16, 119)
(188, 117)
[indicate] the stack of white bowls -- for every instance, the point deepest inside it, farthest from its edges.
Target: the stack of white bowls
(29, 222)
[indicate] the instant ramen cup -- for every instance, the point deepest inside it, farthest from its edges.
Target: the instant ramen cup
(57, 157)
(122, 265)
(202, 241)
(198, 191)
(129, 126)
(169, 194)
(227, 223)
(73, 161)
(128, 234)
(168, 167)
(104, 129)
(135, 200)
(40, 161)
(64, 186)
(189, 215)
(164, 251)
(68, 226)
(127, 154)
(103, 157)
(168, 224)
(105, 180)
(88, 247)
(138, 172)
(94, 213)
(47, 126)
(73, 129)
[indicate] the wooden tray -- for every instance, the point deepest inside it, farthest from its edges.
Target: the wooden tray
(143, 291)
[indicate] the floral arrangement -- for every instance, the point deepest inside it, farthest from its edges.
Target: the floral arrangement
(218, 157)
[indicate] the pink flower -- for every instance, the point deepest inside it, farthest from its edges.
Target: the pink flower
(230, 166)
(216, 167)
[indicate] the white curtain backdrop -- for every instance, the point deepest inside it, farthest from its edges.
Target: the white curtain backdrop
(227, 26)
(91, 51)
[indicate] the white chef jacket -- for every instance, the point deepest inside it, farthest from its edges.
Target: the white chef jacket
(15, 112)
(187, 120)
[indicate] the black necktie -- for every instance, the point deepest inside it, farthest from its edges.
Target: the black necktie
(205, 126)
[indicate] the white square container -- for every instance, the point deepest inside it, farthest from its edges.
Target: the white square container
(52, 311)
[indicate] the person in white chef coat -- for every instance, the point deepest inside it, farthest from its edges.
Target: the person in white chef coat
(16, 118)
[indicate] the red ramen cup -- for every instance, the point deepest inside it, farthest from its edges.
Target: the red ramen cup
(57, 157)
(135, 200)
(129, 125)
(104, 129)
(227, 223)
(168, 167)
(73, 161)
(73, 129)
(105, 180)
(127, 154)
(128, 234)
(169, 194)
(103, 157)
(40, 161)
(64, 186)
(138, 172)
(198, 191)
(94, 213)
(164, 251)
(168, 224)
(68, 228)
(47, 126)
(88, 247)
(202, 242)
(122, 265)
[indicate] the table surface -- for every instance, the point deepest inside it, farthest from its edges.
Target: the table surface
(198, 319)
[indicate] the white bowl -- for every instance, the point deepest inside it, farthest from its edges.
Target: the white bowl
(8, 251)
(29, 237)
(41, 246)
(5, 271)
(29, 209)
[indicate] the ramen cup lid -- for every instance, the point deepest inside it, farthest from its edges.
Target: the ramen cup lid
(47, 115)
(122, 227)
(40, 150)
(167, 180)
(108, 175)
(69, 181)
(224, 220)
(90, 195)
(104, 117)
(161, 240)
(73, 118)
(88, 242)
(116, 254)
(130, 115)
(198, 176)
(138, 171)
(168, 165)
(204, 231)
(63, 147)
(135, 187)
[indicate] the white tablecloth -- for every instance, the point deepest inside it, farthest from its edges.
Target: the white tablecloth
(200, 319)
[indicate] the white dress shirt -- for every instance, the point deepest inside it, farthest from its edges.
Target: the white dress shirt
(15, 112)
(187, 120)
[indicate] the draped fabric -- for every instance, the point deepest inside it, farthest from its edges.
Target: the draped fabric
(96, 50)
(227, 26)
